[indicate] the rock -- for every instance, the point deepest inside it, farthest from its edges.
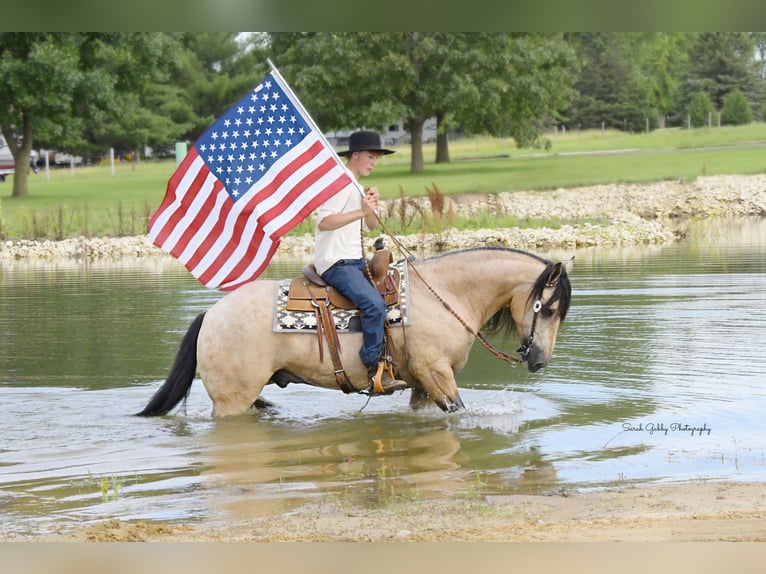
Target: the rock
(602, 215)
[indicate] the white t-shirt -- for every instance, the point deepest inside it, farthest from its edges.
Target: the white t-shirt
(344, 242)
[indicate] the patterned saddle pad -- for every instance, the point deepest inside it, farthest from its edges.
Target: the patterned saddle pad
(305, 322)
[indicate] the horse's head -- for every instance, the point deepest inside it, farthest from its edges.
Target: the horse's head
(541, 313)
(536, 314)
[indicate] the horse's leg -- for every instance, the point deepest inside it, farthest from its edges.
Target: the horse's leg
(236, 350)
(419, 398)
(438, 382)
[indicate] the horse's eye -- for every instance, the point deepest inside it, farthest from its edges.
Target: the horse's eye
(550, 312)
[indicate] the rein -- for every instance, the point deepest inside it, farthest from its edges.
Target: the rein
(502, 355)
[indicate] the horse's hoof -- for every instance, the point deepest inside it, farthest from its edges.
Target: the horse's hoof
(451, 406)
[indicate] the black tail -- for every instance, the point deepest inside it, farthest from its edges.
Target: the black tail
(179, 381)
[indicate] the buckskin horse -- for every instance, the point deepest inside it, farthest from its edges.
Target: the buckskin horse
(451, 296)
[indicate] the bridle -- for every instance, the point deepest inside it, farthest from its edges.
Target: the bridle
(524, 350)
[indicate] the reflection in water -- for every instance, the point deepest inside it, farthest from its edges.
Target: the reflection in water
(657, 337)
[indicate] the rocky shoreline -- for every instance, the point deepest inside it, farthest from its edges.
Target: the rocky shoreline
(611, 215)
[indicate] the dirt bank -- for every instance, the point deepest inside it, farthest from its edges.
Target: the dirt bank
(697, 511)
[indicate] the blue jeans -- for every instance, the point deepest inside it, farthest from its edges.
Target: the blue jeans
(348, 277)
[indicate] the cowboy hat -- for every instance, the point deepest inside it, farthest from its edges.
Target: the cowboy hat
(364, 141)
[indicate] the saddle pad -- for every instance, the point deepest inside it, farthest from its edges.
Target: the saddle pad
(305, 321)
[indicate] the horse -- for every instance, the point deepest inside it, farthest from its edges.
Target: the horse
(451, 297)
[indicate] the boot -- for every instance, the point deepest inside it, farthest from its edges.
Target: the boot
(382, 381)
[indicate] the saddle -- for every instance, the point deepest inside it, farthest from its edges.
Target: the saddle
(309, 292)
(309, 287)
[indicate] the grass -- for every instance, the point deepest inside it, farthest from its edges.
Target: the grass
(92, 202)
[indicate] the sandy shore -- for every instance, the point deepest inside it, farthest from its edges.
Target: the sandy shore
(695, 511)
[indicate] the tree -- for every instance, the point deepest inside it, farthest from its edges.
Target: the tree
(499, 84)
(719, 63)
(736, 109)
(57, 86)
(661, 57)
(611, 89)
(211, 71)
(700, 109)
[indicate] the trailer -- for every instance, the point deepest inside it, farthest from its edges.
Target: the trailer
(7, 164)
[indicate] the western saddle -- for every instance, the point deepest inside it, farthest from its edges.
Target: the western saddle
(309, 292)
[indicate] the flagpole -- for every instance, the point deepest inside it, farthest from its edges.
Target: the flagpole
(284, 85)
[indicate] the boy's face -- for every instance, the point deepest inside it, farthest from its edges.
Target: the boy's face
(363, 162)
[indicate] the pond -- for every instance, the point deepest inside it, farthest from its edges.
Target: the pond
(657, 376)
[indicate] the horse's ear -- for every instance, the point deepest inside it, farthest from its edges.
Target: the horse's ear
(554, 275)
(569, 264)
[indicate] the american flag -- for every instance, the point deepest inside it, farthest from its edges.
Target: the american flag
(259, 171)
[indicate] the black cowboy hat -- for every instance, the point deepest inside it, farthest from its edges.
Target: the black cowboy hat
(365, 141)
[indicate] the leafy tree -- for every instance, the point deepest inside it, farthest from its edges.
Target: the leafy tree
(487, 83)
(611, 88)
(660, 57)
(736, 109)
(211, 72)
(56, 86)
(700, 108)
(719, 63)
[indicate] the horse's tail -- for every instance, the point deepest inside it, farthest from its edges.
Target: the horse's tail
(179, 381)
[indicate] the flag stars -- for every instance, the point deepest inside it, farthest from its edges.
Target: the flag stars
(251, 137)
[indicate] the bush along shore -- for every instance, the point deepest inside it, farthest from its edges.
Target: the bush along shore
(604, 215)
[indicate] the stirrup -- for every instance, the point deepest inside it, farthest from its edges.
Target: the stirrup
(392, 384)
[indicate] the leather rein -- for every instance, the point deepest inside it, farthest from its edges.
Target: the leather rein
(525, 348)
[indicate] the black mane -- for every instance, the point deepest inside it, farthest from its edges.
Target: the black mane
(502, 321)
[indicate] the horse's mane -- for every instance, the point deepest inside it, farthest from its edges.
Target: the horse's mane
(488, 248)
(502, 321)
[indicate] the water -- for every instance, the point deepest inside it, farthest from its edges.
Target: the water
(657, 376)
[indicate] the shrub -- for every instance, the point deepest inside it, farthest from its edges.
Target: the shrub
(699, 109)
(736, 109)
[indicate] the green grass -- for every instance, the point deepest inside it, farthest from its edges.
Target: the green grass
(92, 202)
